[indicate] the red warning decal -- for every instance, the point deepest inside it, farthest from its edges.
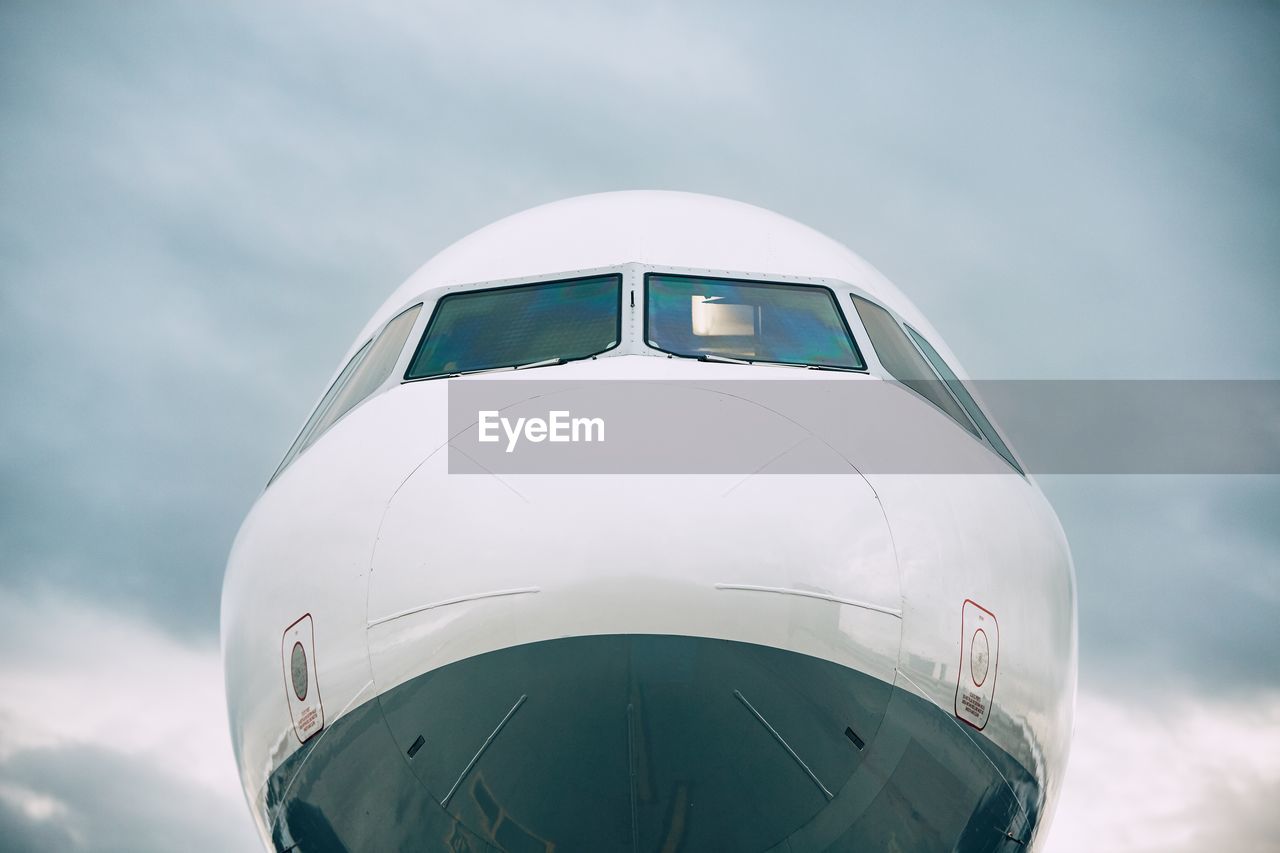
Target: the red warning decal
(297, 650)
(979, 655)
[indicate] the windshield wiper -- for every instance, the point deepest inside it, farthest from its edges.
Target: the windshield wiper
(832, 367)
(724, 359)
(779, 363)
(546, 362)
(806, 366)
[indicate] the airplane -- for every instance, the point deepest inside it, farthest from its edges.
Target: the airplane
(424, 656)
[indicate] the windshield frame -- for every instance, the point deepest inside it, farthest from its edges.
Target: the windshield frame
(763, 282)
(615, 274)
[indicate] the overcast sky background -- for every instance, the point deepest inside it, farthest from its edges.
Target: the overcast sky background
(200, 205)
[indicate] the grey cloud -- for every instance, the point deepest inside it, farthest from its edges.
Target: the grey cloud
(110, 803)
(27, 834)
(1178, 581)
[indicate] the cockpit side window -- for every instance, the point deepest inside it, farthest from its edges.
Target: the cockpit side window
(966, 399)
(521, 325)
(903, 361)
(300, 442)
(371, 372)
(363, 375)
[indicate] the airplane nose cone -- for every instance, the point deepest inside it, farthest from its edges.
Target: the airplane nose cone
(630, 663)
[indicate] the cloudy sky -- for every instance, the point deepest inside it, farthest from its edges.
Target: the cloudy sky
(201, 204)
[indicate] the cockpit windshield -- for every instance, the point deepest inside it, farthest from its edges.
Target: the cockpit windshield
(751, 321)
(520, 326)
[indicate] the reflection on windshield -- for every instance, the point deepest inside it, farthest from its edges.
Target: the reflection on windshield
(525, 325)
(722, 320)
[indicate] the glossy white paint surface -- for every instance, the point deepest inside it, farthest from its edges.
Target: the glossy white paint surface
(404, 568)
